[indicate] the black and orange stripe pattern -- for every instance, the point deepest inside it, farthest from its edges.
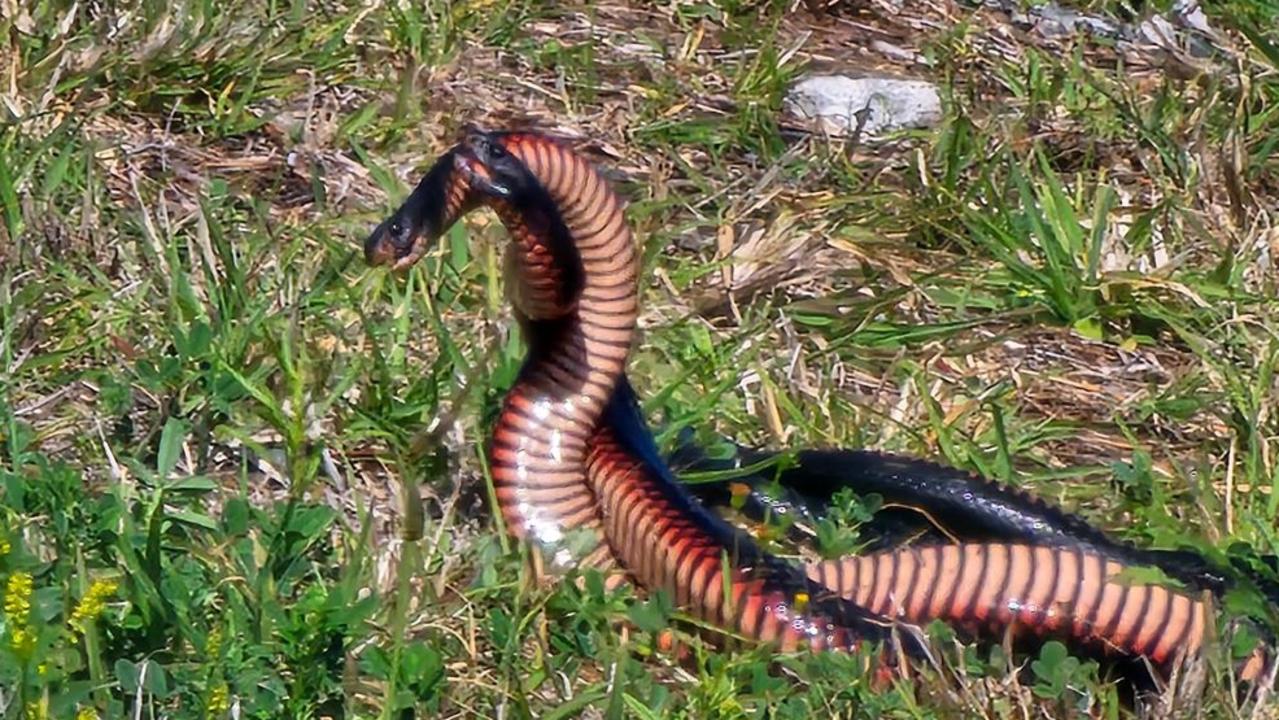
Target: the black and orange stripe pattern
(579, 340)
(570, 452)
(924, 500)
(667, 540)
(580, 333)
(579, 346)
(1060, 591)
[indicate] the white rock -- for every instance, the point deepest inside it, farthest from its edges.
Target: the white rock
(1057, 21)
(835, 102)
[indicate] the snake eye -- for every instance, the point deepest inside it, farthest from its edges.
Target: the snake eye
(396, 229)
(497, 151)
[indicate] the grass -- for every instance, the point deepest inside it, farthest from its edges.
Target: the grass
(242, 473)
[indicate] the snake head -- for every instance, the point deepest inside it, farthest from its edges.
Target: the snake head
(404, 237)
(490, 167)
(392, 240)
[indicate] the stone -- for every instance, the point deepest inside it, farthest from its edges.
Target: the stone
(836, 102)
(1055, 21)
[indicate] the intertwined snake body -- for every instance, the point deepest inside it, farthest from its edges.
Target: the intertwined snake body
(571, 454)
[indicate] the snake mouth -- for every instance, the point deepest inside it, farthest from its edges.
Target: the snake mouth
(392, 244)
(378, 248)
(478, 175)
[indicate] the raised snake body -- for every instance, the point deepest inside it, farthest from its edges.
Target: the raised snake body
(570, 454)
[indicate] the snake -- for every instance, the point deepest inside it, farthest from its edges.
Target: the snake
(920, 498)
(578, 475)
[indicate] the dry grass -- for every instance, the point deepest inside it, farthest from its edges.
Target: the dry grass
(192, 168)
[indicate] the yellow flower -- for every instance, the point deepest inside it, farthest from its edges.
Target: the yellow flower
(38, 709)
(87, 713)
(17, 606)
(93, 603)
(219, 700)
(23, 641)
(5, 547)
(214, 644)
(17, 597)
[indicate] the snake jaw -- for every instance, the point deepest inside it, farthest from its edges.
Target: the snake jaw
(393, 243)
(396, 242)
(377, 251)
(477, 173)
(415, 253)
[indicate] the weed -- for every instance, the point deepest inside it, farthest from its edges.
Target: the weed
(242, 475)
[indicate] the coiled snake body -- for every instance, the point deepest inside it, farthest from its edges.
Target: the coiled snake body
(570, 453)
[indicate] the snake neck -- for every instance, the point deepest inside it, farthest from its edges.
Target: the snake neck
(573, 273)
